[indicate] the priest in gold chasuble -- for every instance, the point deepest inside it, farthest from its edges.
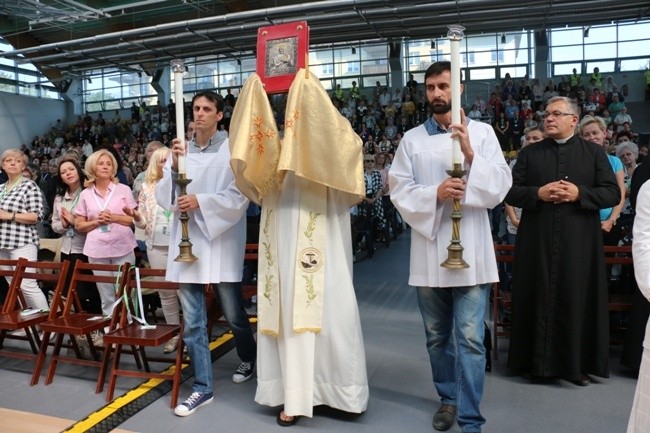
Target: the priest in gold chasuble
(310, 346)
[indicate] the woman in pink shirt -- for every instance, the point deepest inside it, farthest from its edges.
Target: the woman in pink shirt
(99, 214)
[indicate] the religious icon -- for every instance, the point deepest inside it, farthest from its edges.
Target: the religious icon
(281, 51)
(281, 56)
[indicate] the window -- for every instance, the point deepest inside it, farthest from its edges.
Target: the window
(497, 56)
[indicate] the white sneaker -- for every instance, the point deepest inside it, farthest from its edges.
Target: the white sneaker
(193, 402)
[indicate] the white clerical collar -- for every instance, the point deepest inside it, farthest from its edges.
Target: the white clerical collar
(563, 140)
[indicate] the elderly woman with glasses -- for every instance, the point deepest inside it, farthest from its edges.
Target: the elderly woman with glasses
(21, 208)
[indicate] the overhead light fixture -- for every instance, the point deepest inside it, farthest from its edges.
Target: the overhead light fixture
(586, 32)
(354, 50)
(90, 81)
(239, 62)
(433, 44)
(503, 38)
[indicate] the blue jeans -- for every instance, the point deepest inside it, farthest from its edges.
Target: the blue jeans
(453, 324)
(196, 336)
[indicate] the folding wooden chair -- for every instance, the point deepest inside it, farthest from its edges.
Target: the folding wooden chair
(16, 316)
(67, 318)
(126, 329)
(8, 269)
(501, 300)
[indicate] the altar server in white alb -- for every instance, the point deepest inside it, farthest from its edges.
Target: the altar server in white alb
(309, 341)
(217, 230)
(452, 301)
(640, 416)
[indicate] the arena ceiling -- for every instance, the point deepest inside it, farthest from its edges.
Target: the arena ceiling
(64, 38)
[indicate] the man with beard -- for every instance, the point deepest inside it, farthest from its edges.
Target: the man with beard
(451, 301)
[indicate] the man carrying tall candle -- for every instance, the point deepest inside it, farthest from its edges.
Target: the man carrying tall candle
(217, 230)
(451, 301)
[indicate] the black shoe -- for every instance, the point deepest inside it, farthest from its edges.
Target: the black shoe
(244, 372)
(582, 380)
(444, 418)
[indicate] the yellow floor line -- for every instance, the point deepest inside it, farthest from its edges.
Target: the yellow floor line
(130, 396)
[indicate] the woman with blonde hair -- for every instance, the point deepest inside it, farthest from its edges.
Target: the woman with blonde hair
(156, 223)
(594, 129)
(100, 214)
(21, 208)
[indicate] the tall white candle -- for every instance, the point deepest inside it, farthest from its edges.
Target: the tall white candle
(455, 35)
(178, 68)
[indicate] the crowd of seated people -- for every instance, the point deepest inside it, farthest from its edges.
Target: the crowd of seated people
(380, 118)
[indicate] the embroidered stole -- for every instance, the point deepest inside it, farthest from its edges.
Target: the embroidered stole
(260, 163)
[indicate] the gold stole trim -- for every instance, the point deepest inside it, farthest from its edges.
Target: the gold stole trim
(309, 279)
(268, 281)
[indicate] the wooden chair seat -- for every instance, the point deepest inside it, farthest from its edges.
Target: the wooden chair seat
(135, 335)
(78, 323)
(126, 331)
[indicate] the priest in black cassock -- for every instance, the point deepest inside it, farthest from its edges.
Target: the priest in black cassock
(560, 322)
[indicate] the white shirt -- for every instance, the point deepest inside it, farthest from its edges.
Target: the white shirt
(419, 167)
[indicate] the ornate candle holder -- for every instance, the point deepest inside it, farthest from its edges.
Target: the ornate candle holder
(185, 246)
(455, 249)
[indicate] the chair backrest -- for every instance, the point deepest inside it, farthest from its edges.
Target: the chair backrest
(51, 273)
(150, 279)
(8, 268)
(504, 253)
(251, 251)
(618, 255)
(85, 272)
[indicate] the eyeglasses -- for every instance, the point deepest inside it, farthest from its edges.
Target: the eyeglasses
(546, 114)
(369, 160)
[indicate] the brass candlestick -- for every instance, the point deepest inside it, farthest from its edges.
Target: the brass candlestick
(455, 249)
(185, 246)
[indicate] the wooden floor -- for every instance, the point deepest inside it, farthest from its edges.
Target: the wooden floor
(15, 421)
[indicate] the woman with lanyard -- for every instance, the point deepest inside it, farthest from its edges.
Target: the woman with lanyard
(21, 207)
(156, 223)
(68, 189)
(99, 213)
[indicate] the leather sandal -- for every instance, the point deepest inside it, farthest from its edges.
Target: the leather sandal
(284, 423)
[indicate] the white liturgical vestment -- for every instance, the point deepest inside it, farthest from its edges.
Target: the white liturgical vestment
(419, 167)
(321, 364)
(217, 230)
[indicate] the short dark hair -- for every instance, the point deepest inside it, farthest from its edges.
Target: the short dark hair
(437, 68)
(211, 96)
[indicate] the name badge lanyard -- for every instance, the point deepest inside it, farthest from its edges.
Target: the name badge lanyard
(168, 217)
(74, 201)
(5, 192)
(103, 207)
